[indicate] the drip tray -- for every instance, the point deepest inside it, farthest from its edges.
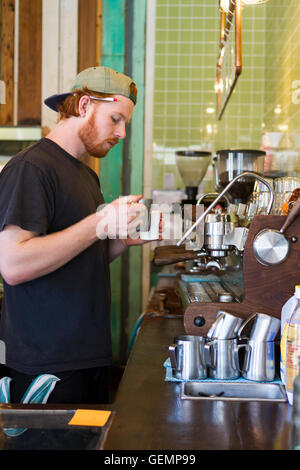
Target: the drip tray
(233, 391)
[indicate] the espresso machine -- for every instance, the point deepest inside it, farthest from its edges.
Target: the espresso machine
(235, 258)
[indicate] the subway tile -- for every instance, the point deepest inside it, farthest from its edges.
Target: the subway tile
(186, 51)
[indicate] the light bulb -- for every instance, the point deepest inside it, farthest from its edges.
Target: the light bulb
(224, 5)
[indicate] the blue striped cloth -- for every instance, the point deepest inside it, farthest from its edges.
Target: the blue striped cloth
(37, 392)
(170, 378)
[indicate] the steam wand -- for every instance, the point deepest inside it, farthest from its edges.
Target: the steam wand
(215, 202)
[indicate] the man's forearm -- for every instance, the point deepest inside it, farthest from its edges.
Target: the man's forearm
(116, 248)
(39, 255)
(25, 255)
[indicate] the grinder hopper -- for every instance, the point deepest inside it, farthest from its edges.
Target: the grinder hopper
(192, 166)
(230, 163)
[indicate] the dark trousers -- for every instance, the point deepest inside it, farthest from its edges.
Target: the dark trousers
(87, 386)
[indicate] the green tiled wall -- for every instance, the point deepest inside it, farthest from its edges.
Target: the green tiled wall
(187, 38)
(282, 79)
(185, 56)
(241, 124)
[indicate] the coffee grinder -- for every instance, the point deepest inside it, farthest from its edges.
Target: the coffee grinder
(192, 166)
(230, 163)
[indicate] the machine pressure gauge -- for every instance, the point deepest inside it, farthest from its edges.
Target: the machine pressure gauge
(270, 247)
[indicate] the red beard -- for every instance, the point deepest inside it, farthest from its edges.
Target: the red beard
(89, 135)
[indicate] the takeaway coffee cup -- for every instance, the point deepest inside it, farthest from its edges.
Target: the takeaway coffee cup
(187, 357)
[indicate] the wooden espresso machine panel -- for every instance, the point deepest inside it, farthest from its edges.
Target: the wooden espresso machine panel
(266, 288)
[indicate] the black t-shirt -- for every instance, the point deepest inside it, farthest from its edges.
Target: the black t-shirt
(59, 321)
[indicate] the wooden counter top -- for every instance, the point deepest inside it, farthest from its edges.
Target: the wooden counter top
(149, 413)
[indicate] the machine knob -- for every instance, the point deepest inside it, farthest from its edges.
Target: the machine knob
(199, 321)
(225, 297)
(270, 247)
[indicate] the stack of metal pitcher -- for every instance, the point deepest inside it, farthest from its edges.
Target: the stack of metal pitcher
(259, 361)
(217, 355)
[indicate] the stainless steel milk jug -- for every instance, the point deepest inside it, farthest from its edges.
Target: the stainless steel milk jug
(222, 359)
(187, 357)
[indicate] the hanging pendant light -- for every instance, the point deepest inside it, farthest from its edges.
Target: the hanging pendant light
(224, 5)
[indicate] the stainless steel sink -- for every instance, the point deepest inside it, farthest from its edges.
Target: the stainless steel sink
(233, 391)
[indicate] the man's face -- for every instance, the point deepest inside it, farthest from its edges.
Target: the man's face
(105, 125)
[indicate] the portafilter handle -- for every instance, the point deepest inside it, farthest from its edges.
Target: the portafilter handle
(215, 202)
(291, 217)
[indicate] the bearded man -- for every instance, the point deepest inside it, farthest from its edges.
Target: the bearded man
(54, 264)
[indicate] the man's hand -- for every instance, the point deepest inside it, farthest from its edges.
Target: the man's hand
(133, 215)
(120, 218)
(138, 241)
